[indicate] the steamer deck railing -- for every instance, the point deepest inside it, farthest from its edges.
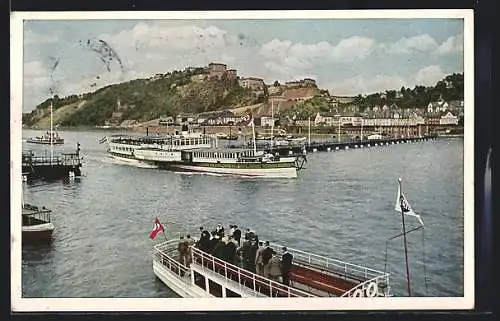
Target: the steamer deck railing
(311, 275)
(343, 278)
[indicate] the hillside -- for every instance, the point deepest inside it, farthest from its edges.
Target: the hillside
(187, 91)
(193, 91)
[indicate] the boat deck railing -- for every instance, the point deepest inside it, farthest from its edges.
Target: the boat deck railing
(254, 282)
(35, 213)
(66, 159)
(349, 271)
(165, 253)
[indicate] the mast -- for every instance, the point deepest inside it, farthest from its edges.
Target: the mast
(339, 131)
(404, 237)
(309, 130)
(51, 133)
(253, 134)
(272, 124)
(361, 129)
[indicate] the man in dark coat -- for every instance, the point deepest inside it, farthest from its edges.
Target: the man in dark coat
(267, 253)
(237, 234)
(286, 263)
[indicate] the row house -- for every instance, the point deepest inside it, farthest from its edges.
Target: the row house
(437, 106)
(220, 117)
(351, 120)
(267, 121)
(448, 119)
(389, 122)
(185, 118)
(445, 118)
(326, 119)
(166, 121)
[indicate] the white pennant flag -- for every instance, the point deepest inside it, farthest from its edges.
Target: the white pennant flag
(403, 205)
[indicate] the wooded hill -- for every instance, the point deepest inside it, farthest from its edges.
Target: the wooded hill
(191, 91)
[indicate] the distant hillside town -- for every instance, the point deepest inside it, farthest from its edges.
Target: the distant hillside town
(217, 96)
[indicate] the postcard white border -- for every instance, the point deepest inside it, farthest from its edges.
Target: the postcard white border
(19, 304)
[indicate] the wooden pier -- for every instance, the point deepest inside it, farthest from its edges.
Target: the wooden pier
(51, 168)
(326, 146)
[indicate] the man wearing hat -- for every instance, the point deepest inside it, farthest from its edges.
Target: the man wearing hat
(237, 234)
(286, 263)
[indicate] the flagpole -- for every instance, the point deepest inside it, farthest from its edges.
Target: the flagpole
(253, 134)
(309, 130)
(404, 238)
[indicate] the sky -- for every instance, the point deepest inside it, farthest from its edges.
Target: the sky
(345, 56)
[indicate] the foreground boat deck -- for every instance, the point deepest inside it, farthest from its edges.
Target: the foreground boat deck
(311, 276)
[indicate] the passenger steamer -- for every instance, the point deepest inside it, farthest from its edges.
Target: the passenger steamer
(196, 152)
(311, 275)
(224, 161)
(123, 147)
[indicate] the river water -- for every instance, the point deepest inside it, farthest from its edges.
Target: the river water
(341, 206)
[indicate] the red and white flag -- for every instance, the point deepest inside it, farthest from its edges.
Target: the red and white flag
(158, 227)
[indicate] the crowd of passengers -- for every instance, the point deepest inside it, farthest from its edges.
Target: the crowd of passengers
(250, 253)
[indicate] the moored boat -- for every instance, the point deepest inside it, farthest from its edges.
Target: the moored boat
(49, 137)
(36, 224)
(310, 275)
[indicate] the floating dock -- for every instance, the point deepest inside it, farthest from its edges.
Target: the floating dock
(51, 168)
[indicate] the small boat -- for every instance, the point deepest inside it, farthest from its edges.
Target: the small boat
(49, 137)
(310, 275)
(36, 224)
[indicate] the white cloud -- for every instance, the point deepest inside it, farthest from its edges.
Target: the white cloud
(34, 69)
(428, 76)
(291, 60)
(422, 43)
(353, 48)
(454, 44)
(346, 50)
(227, 58)
(31, 38)
(145, 37)
(275, 48)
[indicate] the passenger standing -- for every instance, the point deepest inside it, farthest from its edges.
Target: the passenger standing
(231, 230)
(219, 230)
(286, 263)
(181, 248)
(213, 242)
(237, 234)
(258, 259)
(246, 256)
(189, 244)
(274, 267)
(267, 253)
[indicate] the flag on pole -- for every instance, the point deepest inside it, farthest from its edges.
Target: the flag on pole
(402, 204)
(158, 227)
(103, 140)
